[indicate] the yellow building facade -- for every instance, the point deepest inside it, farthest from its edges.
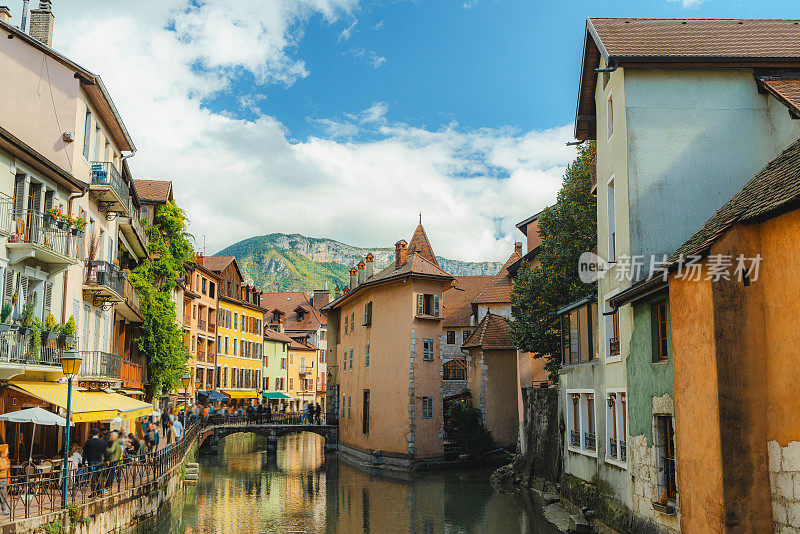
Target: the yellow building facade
(240, 348)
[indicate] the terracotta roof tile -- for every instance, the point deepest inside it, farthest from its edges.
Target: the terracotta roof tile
(698, 38)
(774, 190)
(457, 301)
(217, 263)
(288, 302)
(274, 335)
(493, 332)
(420, 245)
(785, 89)
(154, 190)
(499, 288)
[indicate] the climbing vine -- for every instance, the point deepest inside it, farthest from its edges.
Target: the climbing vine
(161, 338)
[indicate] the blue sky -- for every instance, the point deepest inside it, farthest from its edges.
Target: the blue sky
(495, 63)
(346, 118)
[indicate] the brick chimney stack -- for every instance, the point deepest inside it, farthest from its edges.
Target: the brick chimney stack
(370, 265)
(5, 14)
(42, 21)
(400, 253)
(518, 248)
(337, 292)
(361, 272)
(320, 298)
(353, 278)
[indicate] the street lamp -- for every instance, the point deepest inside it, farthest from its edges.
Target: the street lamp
(185, 380)
(70, 364)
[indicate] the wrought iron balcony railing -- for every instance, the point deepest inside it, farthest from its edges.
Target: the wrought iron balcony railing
(105, 174)
(16, 347)
(589, 441)
(6, 214)
(108, 275)
(623, 451)
(33, 227)
(574, 438)
(613, 346)
(99, 364)
(201, 324)
(612, 448)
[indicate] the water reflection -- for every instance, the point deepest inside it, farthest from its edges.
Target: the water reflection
(249, 489)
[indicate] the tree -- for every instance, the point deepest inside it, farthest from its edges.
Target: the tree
(568, 228)
(161, 337)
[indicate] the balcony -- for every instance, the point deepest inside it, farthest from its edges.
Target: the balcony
(612, 448)
(589, 441)
(132, 376)
(104, 282)
(212, 328)
(15, 348)
(574, 438)
(613, 347)
(187, 320)
(201, 355)
(32, 238)
(623, 451)
(130, 307)
(99, 364)
(109, 189)
(6, 219)
(306, 370)
(131, 227)
(201, 324)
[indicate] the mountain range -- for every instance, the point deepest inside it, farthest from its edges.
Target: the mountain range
(294, 262)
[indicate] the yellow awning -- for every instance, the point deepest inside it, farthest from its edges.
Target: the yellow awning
(129, 408)
(237, 394)
(85, 408)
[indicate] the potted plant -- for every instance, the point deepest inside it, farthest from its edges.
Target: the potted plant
(78, 227)
(26, 317)
(68, 331)
(50, 330)
(64, 222)
(5, 315)
(52, 215)
(35, 341)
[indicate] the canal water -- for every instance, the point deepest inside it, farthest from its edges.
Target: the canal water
(297, 489)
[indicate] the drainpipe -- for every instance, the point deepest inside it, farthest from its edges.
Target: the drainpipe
(66, 273)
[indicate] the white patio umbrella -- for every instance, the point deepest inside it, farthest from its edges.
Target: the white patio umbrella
(37, 416)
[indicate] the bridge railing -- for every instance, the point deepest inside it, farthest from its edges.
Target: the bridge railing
(274, 418)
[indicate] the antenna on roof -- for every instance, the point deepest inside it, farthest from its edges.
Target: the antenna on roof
(420, 217)
(204, 245)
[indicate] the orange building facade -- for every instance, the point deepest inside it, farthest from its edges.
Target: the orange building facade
(199, 320)
(386, 334)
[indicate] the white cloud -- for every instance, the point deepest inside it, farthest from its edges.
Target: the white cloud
(689, 4)
(370, 55)
(237, 178)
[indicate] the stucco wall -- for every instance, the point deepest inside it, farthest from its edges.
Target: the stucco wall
(492, 381)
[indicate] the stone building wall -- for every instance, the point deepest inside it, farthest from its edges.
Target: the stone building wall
(784, 481)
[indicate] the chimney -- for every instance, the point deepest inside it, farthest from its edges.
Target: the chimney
(353, 278)
(337, 292)
(400, 253)
(370, 265)
(199, 259)
(320, 298)
(360, 272)
(42, 21)
(5, 14)
(518, 248)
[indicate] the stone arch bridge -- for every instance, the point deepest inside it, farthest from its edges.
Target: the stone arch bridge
(214, 430)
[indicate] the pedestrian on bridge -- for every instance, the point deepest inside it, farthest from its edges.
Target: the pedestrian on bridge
(318, 414)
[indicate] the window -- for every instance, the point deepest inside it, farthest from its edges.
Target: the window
(612, 328)
(616, 423)
(451, 337)
(610, 116)
(612, 231)
(349, 399)
(346, 319)
(351, 358)
(427, 407)
(352, 321)
(235, 320)
(87, 133)
(581, 423)
(465, 335)
(227, 343)
(291, 383)
(343, 405)
(427, 350)
(366, 356)
(211, 289)
(365, 414)
(323, 354)
(428, 304)
(368, 313)
(98, 155)
(659, 311)
(577, 339)
(454, 370)
(665, 445)
(203, 286)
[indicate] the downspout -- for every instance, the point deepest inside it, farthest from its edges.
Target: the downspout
(66, 273)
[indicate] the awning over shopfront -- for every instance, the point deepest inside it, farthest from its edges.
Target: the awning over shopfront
(212, 396)
(239, 394)
(87, 406)
(275, 395)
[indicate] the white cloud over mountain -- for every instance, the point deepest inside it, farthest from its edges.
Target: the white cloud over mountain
(236, 178)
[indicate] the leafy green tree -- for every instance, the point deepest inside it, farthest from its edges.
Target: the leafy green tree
(161, 337)
(568, 228)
